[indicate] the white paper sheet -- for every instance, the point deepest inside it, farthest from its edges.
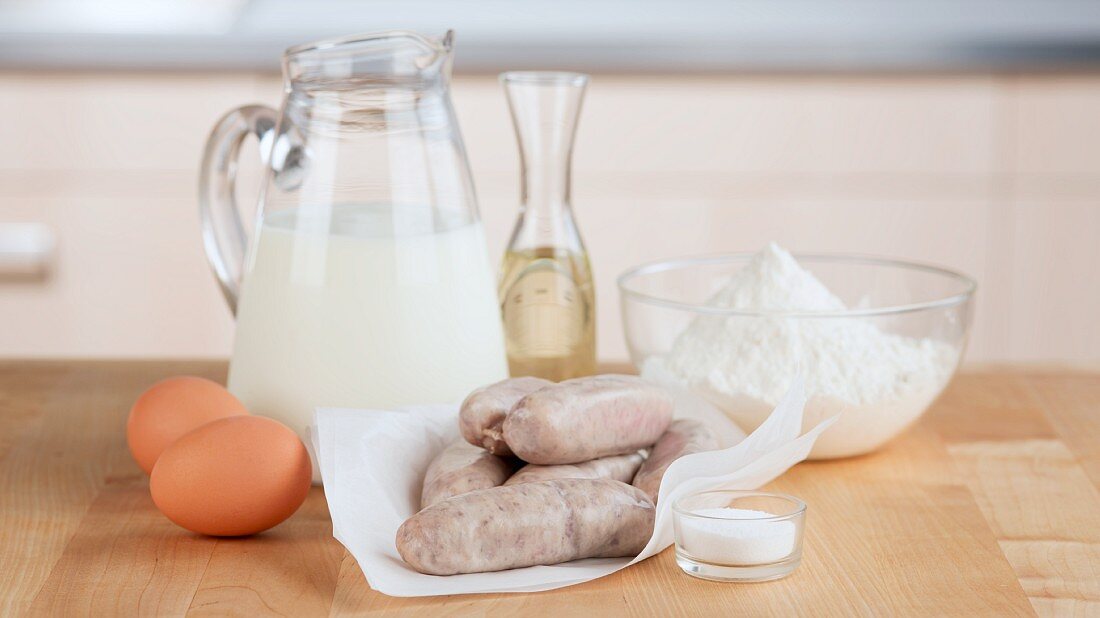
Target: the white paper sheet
(373, 463)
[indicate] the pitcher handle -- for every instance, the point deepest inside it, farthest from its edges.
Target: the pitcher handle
(223, 234)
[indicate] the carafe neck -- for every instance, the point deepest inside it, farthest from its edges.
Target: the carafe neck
(545, 108)
(545, 183)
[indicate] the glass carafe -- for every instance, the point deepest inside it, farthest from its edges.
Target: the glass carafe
(366, 282)
(547, 297)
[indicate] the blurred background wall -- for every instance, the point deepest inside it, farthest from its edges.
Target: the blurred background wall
(966, 135)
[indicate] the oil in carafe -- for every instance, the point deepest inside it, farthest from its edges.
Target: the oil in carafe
(546, 291)
(548, 306)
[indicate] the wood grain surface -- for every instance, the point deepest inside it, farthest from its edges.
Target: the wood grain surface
(989, 506)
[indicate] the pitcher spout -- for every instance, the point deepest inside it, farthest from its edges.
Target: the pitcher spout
(391, 55)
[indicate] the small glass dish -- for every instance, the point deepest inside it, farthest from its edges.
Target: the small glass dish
(738, 536)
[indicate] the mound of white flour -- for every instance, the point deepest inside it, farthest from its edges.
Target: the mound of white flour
(881, 382)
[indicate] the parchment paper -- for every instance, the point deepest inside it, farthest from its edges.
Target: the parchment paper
(373, 462)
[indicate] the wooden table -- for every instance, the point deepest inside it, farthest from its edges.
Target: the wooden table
(989, 506)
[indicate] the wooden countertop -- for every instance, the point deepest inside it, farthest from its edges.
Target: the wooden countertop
(989, 506)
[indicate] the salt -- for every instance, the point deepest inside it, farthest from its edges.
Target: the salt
(736, 536)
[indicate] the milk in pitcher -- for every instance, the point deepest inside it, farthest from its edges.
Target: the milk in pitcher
(373, 307)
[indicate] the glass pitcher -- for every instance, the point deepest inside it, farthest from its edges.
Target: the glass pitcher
(366, 282)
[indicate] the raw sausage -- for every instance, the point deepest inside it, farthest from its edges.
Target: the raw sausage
(462, 468)
(617, 467)
(483, 411)
(683, 437)
(587, 418)
(528, 524)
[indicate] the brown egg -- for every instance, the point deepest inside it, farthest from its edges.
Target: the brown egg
(171, 408)
(232, 477)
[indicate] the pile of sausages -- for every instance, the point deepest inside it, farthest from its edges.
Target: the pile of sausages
(548, 473)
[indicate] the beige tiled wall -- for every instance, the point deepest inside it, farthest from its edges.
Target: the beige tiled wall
(998, 176)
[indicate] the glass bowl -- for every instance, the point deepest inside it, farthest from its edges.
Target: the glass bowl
(917, 317)
(738, 536)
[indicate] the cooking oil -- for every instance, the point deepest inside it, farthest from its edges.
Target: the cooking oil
(548, 306)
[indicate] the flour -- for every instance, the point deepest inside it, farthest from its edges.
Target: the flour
(744, 364)
(744, 541)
